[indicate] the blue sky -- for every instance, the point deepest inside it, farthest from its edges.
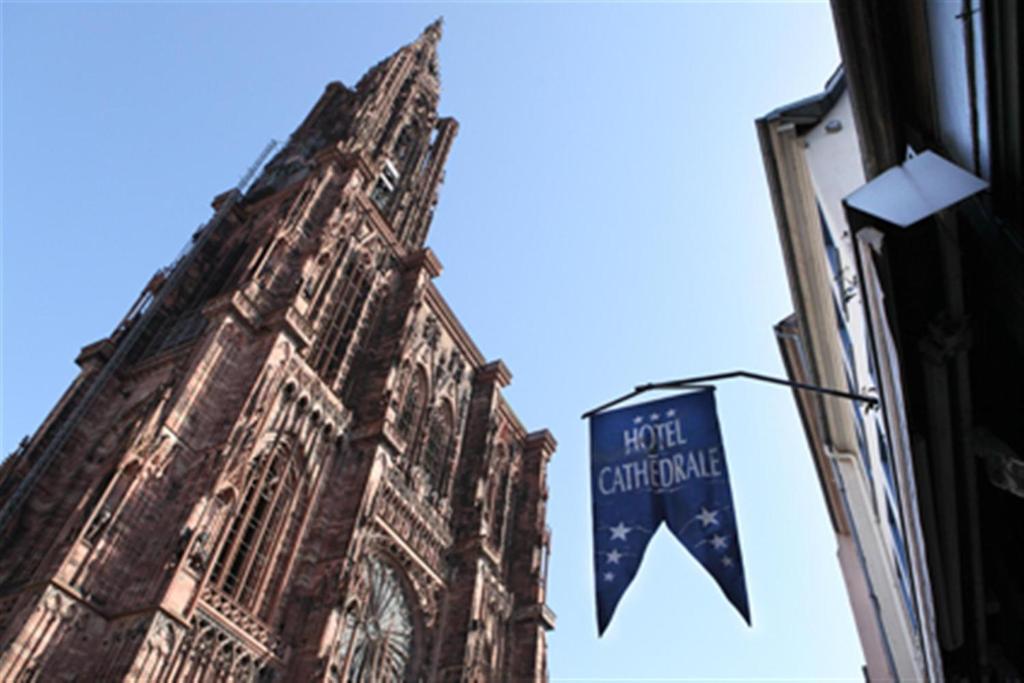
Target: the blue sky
(604, 222)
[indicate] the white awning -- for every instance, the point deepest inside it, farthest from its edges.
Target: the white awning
(914, 190)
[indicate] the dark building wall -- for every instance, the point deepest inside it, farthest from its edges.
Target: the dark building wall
(953, 295)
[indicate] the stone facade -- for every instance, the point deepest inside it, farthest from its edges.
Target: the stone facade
(301, 467)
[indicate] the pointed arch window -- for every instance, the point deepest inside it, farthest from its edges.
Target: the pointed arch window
(412, 406)
(345, 311)
(437, 448)
(252, 539)
(404, 143)
(498, 511)
(499, 495)
(329, 276)
(113, 491)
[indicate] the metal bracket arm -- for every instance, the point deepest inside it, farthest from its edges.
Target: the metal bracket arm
(694, 382)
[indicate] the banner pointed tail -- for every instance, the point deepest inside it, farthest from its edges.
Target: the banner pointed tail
(712, 540)
(655, 462)
(618, 551)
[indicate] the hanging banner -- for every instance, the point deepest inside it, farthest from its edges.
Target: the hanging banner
(657, 462)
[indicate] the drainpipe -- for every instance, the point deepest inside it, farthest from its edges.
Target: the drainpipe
(958, 340)
(942, 466)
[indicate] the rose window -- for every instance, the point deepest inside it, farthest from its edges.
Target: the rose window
(377, 640)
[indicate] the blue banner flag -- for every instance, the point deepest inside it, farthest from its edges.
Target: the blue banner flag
(655, 462)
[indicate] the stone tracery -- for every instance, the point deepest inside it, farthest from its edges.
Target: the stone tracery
(378, 633)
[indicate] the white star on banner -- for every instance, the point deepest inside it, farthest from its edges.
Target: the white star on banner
(727, 561)
(614, 557)
(718, 542)
(707, 518)
(670, 413)
(655, 416)
(638, 419)
(608, 576)
(620, 531)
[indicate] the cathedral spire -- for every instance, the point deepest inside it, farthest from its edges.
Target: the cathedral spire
(433, 30)
(427, 43)
(390, 118)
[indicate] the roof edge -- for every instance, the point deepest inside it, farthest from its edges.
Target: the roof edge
(809, 111)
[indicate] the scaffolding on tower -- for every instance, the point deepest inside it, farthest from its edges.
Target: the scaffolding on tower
(142, 312)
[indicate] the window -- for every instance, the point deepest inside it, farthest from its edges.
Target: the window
(112, 501)
(872, 370)
(252, 538)
(412, 407)
(345, 311)
(862, 445)
(376, 642)
(499, 498)
(899, 560)
(844, 336)
(435, 453)
(404, 144)
(330, 277)
(387, 183)
(885, 456)
(381, 195)
(835, 261)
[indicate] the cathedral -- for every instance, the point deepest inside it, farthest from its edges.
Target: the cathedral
(289, 461)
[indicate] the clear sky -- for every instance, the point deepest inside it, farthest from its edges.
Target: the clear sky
(605, 221)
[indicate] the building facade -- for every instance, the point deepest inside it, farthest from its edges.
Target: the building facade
(289, 461)
(905, 254)
(812, 161)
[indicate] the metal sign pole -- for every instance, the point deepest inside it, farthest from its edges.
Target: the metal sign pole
(695, 382)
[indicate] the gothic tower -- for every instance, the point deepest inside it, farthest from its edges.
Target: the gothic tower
(289, 461)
